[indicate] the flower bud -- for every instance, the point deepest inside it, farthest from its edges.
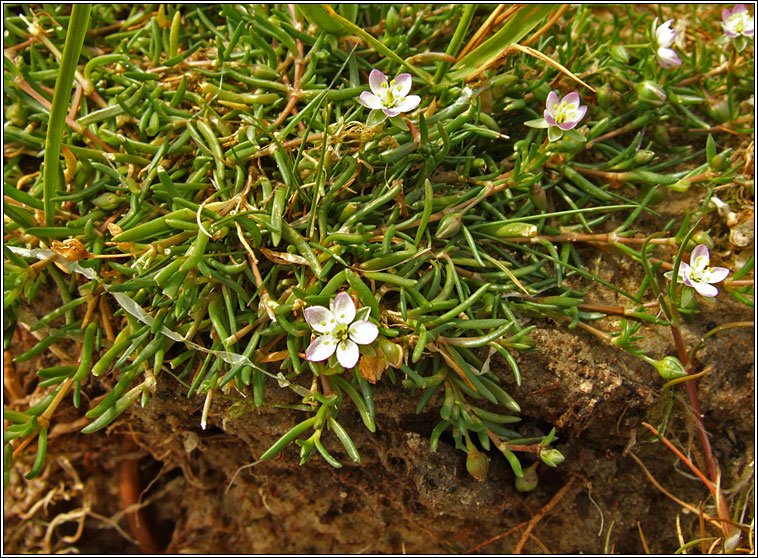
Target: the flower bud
(661, 135)
(392, 21)
(605, 96)
(526, 230)
(670, 368)
(449, 225)
(649, 92)
(620, 54)
(476, 464)
(551, 457)
(529, 480)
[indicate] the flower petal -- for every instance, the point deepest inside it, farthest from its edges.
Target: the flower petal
(408, 104)
(369, 100)
(321, 348)
(685, 271)
(343, 308)
(320, 319)
(402, 85)
(391, 111)
(348, 354)
(375, 81)
(705, 289)
(572, 99)
(739, 8)
(549, 118)
(568, 125)
(726, 14)
(580, 112)
(363, 332)
(668, 57)
(715, 274)
(552, 101)
(700, 257)
(665, 35)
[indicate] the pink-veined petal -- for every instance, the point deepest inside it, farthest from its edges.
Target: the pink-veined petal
(684, 270)
(375, 81)
(738, 8)
(705, 289)
(552, 101)
(668, 57)
(749, 28)
(402, 85)
(729, 33)
(369, 100)
(572, 98)
(363, 332)
(408, 104)
(320, 319)
(665, 35)
(568, 125)
(391, 111)
(726, 14)
(348, 354)
(581, 111)
(715, 274)
(700, 257)
(321, 348)
(549, 118)
(343, 308)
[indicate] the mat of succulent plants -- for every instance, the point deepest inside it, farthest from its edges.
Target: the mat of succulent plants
(378, 278)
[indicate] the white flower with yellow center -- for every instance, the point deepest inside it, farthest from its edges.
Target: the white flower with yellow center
(666, 37)
(737, 21)
(390, 97)
(698, 275)
(339, 331)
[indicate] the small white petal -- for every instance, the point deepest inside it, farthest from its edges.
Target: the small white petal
(705, 289)
(348, 354)
(343, 308)
(407, 104)
(369, 100)
(685, 271)
(320, 319)
(715, 274)
(668, 57)
(321, 348)
(363, 332)
(402, 85)
(700, 257)
(375, 81)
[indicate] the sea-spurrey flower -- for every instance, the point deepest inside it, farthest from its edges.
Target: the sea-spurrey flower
(390, 97)
(666, 37)
(563, 114)
(698, 275)
(737, 21)
(339, 331)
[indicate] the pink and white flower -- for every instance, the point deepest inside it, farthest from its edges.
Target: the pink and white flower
(666, 37)
(392, 98)
(698, 275)
(737, 21)
(339, 331)
(564, 113)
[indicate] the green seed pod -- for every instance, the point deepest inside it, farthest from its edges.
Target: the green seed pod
(719, 162)
(620, 54)
(476, 464)
(539, 199)
(700, 237)
(605, 96)
(661, 135)
(108, 201)
(670, 368)
(551, 457)
(392, 352)
(649, 92)
(526, 230)
(529, 480)
(449, 225)
(643, 156)
(718, 109)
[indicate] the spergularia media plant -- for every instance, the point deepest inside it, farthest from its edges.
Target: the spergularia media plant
(341, 329)
(560, 114)
(665, 36)
(737, 21)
